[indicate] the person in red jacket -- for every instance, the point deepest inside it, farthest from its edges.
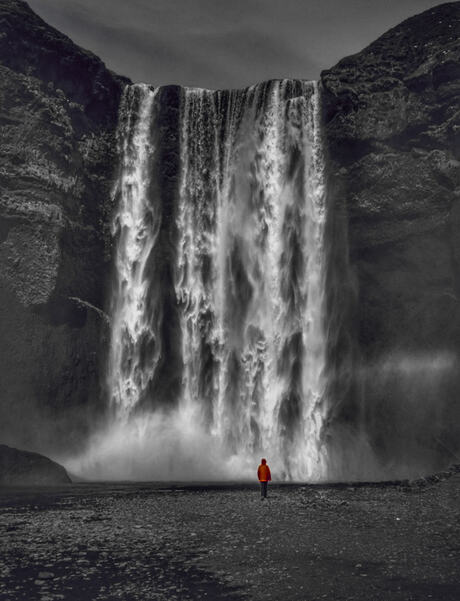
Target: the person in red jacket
(263, 473)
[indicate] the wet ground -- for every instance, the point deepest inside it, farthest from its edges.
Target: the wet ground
(144, 541)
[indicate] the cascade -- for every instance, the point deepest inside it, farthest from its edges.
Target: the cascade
(248, 266)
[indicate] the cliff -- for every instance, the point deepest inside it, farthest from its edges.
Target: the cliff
(58, 115)
(392, 115)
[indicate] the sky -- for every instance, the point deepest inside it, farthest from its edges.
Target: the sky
(224, 43)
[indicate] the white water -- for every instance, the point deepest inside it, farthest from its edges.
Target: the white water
(134, 224)
(249, 288)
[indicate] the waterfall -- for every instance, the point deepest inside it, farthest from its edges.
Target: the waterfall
(246, 250)
(250, 270)
(135, 226)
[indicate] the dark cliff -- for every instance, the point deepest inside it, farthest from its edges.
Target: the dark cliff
(392, 115)
(58, 113)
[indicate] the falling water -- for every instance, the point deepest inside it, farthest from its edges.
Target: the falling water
(132, 330)
(248, 284)
(250, 270)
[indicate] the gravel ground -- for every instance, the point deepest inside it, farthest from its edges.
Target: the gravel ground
(146, 541)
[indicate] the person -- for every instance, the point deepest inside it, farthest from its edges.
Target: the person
(263, 473)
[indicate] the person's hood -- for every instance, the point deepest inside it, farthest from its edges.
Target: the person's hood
(264, 461)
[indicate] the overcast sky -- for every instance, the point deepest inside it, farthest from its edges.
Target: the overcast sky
(224, 43)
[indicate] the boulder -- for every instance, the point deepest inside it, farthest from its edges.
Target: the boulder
(23, 468)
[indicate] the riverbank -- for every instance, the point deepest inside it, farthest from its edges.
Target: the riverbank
(143, 541)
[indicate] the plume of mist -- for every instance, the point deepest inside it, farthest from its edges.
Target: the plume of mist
(160, 447)
(404, 423)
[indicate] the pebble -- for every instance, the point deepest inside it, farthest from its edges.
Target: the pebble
(201, 545)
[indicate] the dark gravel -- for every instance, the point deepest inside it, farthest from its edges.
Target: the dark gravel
(147, 541)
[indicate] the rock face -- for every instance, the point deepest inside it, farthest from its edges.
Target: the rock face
(57, 120)
(392, 116)
(22, 468)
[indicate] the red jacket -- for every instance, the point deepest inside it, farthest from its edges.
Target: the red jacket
(263, 472)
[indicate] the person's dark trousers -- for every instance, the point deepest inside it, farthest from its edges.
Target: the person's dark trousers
(263, 489)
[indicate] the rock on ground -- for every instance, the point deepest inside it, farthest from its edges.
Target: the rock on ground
(23, 468)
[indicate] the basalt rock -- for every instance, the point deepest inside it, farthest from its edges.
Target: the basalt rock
(392, 115)
(58, 116)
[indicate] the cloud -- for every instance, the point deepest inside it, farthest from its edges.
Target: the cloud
(217, 43)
